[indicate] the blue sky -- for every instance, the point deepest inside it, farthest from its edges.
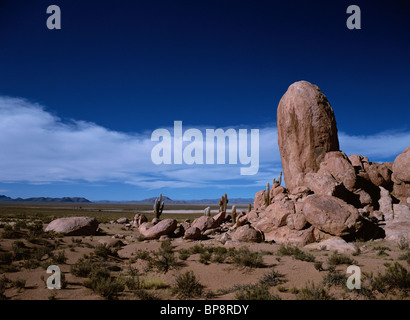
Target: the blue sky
(78, 105)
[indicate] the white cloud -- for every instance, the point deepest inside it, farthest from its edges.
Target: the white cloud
(37, 147)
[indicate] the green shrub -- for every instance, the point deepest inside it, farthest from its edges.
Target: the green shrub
(272, 278)
(311, 292)
(106, 287)
(290, 250)
(143, 294)
(405, 256)
(205, 257)
(338, 258)
(396, 277)
(164, 259)
(104, 252)
(83, 267)
(334, 278)
(247, 258)
(19, 284)
(255, 292)
(60, 258)
(187, 286)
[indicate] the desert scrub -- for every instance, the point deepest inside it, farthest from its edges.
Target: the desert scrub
(405, 256)
(334, 278)
(311, 292)
(3, 286)
(104, 252)
(396, 277)
(338, 258)
(247, 258)
(272, 278)
(19, 284)
(83, 267)
(295, 252)
(10, 232)
(143, 294)
(59, 258)
(104, 285)
(164, 258)
(184, 254)
(255, 292)
(205, 257)
(152, 283)
(187, 286)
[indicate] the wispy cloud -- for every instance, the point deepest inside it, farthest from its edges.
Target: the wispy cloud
(37, 147)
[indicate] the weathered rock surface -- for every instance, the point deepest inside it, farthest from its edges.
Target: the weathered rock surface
(164, 227)
(339, 166)
(401, 177)
(306, 131)
(203, 223)
(247, 234)
(259, 202)
(193, 233)
(74, 226)
(331, 215)
(386, 204)
(285, 235)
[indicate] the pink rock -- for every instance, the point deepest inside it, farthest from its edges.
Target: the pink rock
(306, 131)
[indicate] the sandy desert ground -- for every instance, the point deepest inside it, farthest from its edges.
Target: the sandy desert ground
(181, 269)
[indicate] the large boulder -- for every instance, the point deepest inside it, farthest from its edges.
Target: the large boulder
(339, 166)
(277, 212)
(401, 177)
(331, 215)
(247, 234)
(204, 223)
(401, 165)
(74, 226)
(193, 233)
(149, 231)
(306, 131)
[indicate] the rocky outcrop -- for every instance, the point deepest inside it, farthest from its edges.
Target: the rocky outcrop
(74, 226)
(306, 131)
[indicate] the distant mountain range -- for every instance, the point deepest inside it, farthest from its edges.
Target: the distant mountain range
(4, 198)
(166, 200)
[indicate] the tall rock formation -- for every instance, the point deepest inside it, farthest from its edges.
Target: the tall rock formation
(306, 131)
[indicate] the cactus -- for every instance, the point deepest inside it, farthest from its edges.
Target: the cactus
(279, 181)
(207, 212)
(158, 206)
(267, 195)
(249, 207)
(223, 203)
(233, 214)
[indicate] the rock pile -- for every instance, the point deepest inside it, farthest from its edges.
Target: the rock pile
(328, 194)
